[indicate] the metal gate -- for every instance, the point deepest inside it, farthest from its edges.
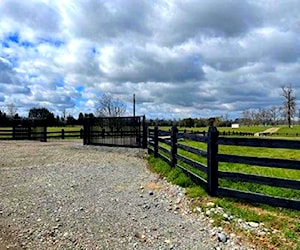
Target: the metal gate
(116, 131)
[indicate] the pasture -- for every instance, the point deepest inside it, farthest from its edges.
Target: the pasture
(286, 221)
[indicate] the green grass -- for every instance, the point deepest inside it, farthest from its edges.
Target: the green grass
(5, 132)
(69, 130)
(285, 220)
(245, 129)
(286, 129)
(55, 131)
(250, 169)
(66, 129)
(174, 175)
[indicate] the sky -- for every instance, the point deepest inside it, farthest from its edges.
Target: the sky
(191, 58)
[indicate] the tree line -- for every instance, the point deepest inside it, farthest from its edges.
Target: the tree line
(108, 106)
(274, 115)
(35, 114)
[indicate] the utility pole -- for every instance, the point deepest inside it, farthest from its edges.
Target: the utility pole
(133, 105)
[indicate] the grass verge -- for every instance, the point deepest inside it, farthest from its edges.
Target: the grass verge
(282, 225)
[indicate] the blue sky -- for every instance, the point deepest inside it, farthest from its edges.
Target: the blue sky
(181, 58)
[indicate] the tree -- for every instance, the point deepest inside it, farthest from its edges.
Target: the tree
(11, 110)
(64, 117)
(274, 114)
(3, 119)
(80, 118)
(70, 120)
(247, 118)
(187, 122)
(90, 115)
(107, 106)
(43, 114)
(289, 103)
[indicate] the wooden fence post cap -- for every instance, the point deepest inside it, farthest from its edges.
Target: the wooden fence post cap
(174, 129)
(213, 129)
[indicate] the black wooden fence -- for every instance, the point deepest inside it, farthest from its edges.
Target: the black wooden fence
(37, 133)
(157, 141)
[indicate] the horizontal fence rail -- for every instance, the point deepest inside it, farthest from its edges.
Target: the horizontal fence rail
(166, 144)
(38, 133)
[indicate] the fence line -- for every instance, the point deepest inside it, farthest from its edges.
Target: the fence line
(211, 169)
(239, 133)
(39, 133)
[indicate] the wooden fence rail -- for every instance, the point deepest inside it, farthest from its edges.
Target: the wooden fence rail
(165, 145)
(29, 133)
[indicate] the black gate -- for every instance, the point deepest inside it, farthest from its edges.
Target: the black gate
(116, 131)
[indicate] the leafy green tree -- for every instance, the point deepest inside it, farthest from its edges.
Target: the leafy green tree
(187, 122)
(80, 118)
(42, 114)
(71, 120)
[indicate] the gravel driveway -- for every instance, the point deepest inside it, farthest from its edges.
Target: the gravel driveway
(63, 195)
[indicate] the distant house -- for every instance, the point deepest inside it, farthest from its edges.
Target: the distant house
(235, 125)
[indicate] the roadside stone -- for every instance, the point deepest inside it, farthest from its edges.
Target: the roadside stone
(208, 213)
(222, 237)
(210, 204)
(178, 200)
(198, 210)
(253, 224)
(226, 216)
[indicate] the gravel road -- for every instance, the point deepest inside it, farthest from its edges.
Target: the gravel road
(63, 195)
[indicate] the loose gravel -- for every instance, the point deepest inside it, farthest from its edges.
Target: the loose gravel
(63, 195)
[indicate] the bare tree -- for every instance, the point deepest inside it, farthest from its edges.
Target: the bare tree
(107, 106)
(289, 104)
(274, 114)
(11, 110)
(247, 119)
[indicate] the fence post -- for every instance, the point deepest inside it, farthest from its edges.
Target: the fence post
(84, 132)
(81, 133)
(144, 133)
(88, 132)
(62, 133)
(29, 132)
(14, 132)
(155, 141)
(174, 132)
(212, 161)
(45, 134)
(148, 136)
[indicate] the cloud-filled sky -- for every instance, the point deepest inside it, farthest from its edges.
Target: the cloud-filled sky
(181, 58)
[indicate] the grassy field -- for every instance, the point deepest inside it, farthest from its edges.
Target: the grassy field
(286, 129)
(55, 131)
(286, 221)
(245, 129)
(66, 129)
